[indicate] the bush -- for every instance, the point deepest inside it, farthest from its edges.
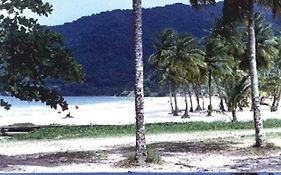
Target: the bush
(153, 156)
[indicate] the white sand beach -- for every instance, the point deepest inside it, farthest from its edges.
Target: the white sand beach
(156, 109)
(212, 151)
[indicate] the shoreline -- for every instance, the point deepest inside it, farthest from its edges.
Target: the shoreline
(119, 112)
(201, 151)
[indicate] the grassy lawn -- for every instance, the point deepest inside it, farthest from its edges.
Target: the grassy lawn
(121, 130)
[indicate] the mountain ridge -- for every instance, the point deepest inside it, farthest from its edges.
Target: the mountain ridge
(102, 43)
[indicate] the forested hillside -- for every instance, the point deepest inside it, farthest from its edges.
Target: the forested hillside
(102, 43)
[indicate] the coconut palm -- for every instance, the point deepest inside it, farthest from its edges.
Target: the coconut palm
(177, 58)
(141, 151)
(191, 58)
(166, 63)
(276, 70)
(190, 98)
(218, 62)
(235, 88)
(239, 10)
(271, 81)
(245, 9)
(222, 97)
(164, 45)
(266, 44)
(197, 81)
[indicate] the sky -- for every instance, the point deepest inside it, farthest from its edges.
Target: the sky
(69, 10)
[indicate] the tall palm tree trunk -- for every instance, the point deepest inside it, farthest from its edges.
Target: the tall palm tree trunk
(273, 106)
(171, 101)
(203, 102)
(197, 91)
(176, 111)
(141, 151)
(276, 99)
(190, 99)
(221, 105)
(234, 115)
(234, 112)
(185, 115)
(210, 107)
(251, 53)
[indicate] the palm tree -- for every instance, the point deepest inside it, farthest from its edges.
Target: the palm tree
(165, 61)
(270, 83)
(266, 44)
(191, 58)
(190, 98)
(197, 81)
(141, 151)
(238, 9)
(234, 10)
(219, 84)
(270, 79)
(251, 54)
(177, 58)
(218, 62)
(276, 70)
(235, 89)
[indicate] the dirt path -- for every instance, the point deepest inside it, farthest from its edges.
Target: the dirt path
(195, 151)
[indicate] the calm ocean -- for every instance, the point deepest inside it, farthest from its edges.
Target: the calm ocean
(72, 100)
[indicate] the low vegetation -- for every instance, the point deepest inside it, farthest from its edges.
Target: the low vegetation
(153, 156)
(65, 132)
(270, 148)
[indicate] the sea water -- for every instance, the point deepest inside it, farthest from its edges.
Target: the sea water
(85, 110)
(82, 109)
(93, 110)
(71, 100)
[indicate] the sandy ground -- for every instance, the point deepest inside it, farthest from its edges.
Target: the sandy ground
(215, 151)
(156, 109)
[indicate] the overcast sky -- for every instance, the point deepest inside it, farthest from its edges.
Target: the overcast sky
(69, 10)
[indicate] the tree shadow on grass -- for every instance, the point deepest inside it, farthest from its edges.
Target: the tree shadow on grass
(200, 147)
(259, 164)
(257, 159)
(170, 148)
(51, 159)
(246, 158)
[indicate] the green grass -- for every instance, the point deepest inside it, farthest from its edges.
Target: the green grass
(121, 130)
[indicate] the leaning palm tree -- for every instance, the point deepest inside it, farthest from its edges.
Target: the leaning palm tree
(245, 9)
(271, 79)
(162, 43)
(191, 57)
(177, 58)
(266, 44)
(166, 62)
(218, 62)
(235, 89)
(197, 81)
(270, 83)
(141, 151)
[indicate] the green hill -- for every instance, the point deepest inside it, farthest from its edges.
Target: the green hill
(102, 43)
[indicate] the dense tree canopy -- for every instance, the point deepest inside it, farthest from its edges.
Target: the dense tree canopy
(32, 55)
